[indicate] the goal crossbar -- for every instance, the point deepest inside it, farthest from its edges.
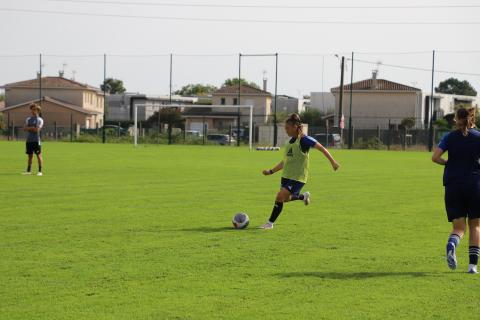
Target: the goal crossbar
(235, 107)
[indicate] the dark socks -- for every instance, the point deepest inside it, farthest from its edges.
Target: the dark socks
(277, 209)
(473, 252)
(39, 168)
(29, 168)
(296, 197)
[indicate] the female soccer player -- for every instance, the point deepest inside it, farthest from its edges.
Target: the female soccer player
(461, 179)
(33, 125)
(295, 167)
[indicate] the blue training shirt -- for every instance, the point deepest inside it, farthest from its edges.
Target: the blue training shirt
(306, 142)
(463, 165)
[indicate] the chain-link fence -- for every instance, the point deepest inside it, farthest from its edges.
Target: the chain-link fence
(386, 99)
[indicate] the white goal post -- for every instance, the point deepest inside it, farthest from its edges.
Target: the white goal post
(235, 107)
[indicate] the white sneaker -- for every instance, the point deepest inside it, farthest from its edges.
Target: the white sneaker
(306, 198)
(472, 268)
(27, 173)
(39, 174)
(267, 225)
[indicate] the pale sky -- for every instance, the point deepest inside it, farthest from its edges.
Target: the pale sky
(67, 38)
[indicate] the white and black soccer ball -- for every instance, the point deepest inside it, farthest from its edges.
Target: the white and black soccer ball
(240, 220)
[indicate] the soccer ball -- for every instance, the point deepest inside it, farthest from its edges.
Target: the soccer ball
(240, 220)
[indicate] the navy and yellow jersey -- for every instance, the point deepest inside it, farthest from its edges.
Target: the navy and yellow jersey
(463, 165)
(296, 158)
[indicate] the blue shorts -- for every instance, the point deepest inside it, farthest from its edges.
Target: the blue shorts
(462, 200)
(293, 186)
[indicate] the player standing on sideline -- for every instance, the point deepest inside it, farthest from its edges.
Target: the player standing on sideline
(295, 167)
(33, 125)
(461, 179)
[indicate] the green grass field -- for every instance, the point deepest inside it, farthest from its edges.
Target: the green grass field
(113, 232)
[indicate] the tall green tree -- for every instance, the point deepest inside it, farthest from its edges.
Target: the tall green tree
(313, 117)
(113, 86)
(196, 89)
(234, 82)
(455, 86)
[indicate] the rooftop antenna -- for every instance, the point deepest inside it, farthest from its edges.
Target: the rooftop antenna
(61, 73)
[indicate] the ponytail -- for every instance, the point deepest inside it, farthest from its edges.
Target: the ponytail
(465, 120)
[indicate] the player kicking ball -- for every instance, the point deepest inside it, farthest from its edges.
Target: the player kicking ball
(33, 125)
(295, 167)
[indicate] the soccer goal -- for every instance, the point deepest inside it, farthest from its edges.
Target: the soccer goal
(225, 111)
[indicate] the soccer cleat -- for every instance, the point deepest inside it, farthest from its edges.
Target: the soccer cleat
(306, 198)
(451, 257)
(39, 174)
(26, 173)
(266, 226)
(472, 268)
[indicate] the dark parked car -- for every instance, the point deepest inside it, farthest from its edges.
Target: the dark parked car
(333, 139)
(222, 139)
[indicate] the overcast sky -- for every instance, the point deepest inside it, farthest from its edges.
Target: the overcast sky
(53, 34)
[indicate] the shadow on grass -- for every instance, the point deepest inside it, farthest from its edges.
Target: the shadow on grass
(213, 229)
(351, 275)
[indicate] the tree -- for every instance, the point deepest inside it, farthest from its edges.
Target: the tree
(2, 97)
(441, 124)
(455, 86)
(171, 116)
(313, 117)
(408, 123)
(196, 89)
(234, 82)
(113, 86)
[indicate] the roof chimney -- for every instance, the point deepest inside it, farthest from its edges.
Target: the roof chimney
(264, 80)
(374, 79)
(61, 73)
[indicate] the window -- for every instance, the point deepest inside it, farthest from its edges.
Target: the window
(235, 101)
(222, 101)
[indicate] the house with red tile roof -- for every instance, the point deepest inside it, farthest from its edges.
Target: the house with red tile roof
(378, 102)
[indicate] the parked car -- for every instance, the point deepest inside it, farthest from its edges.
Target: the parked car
(334, 139)
(193, 133)
(222, 139)
(113, 129)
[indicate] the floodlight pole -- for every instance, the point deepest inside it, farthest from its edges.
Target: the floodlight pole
(431, 107)
(238, 97)
(40, 82)
(350, 127)
(104, 96)
(170, 99)
(340, 109)
(275, 129)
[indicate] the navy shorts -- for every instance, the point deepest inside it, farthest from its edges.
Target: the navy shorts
(33, 147)
(293, 186)
(462, 200)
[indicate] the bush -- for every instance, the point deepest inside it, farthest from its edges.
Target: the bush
(372, 144)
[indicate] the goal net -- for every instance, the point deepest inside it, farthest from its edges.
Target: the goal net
(202, 121)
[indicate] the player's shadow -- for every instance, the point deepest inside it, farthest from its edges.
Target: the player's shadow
(211, 229)
(351, 275)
